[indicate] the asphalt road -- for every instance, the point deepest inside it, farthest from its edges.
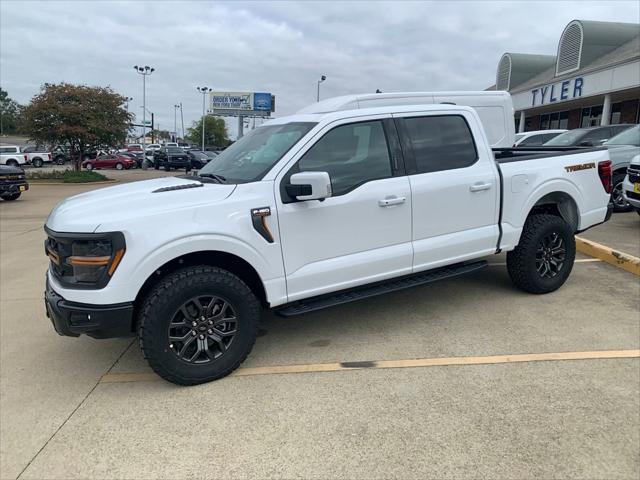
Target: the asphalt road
(61, 418)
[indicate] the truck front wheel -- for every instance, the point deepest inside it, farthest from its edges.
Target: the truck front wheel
(543, 259)
(198, 324)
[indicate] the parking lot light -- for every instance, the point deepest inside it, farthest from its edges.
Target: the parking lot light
(145, 72)
(204, 91)
(322, 79)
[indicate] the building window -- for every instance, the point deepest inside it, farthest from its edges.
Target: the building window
(554, 120)
(591, 116)
(616, 113)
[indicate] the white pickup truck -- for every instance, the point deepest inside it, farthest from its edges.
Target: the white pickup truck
(11, 156)
(311, 211)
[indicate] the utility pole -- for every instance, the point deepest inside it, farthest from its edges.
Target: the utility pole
(204, 91)
(182, 120)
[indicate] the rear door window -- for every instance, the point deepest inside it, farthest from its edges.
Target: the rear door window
(440, 142)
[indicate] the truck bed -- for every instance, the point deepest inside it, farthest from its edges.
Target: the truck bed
(518, 154)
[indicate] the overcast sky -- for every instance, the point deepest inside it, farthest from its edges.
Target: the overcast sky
(277, 47)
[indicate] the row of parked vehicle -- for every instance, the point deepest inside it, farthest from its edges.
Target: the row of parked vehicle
(168, 156)
(622, 141)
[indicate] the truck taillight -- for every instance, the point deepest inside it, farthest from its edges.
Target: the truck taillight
(26, 158)
(604, 171)
(49, 157)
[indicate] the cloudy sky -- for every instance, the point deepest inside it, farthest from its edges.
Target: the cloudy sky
(277, 47)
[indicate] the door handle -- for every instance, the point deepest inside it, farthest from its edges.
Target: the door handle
(478, 187)
(387, 202)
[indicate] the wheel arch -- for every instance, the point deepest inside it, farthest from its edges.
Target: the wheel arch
(214, 258)
(558, 203)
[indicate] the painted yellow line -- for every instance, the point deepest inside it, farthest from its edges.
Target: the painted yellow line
(619, 259)
(407, 363)
(579, 260)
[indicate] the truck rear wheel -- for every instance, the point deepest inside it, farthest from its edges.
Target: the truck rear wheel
(198, 324)
(38, 162)
(543, 259)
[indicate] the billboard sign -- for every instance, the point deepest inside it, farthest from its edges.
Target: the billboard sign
(246, 104)
(231, 101)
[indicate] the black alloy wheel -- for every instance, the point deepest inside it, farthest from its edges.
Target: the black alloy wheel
(202, 329)
(550, 255)
(619, 203)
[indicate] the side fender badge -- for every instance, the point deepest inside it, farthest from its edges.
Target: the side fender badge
(258, 219)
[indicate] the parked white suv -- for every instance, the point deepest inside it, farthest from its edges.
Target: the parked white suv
(631, 184)
(307, 212)
(535, 138)
(12, 156)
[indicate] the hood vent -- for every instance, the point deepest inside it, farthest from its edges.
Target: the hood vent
(178, 187)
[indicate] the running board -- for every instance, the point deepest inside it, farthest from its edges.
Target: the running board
(379, 288)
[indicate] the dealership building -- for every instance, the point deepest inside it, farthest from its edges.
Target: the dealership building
(594, 79)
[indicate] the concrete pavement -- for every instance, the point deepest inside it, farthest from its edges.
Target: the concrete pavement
(577, 419)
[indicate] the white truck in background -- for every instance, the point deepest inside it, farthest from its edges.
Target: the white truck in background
(311, 211)
(12, 156)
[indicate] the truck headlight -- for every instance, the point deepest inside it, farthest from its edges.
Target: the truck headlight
(84, 260)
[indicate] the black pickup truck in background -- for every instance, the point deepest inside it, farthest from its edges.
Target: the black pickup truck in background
(171, 157)
(12, 182)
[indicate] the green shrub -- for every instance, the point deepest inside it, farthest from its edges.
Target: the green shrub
(67, 176)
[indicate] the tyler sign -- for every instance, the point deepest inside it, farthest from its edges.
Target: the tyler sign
(557, 92)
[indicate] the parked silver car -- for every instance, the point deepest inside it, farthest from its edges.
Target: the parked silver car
(622, 148)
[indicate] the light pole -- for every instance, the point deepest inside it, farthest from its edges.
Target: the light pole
(204, 91)
(145, 72)
(322, 79)
(126, 102)
(175, 121)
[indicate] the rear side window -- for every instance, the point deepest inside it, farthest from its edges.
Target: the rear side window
(8, 150)
(351, 154)
(441, 142)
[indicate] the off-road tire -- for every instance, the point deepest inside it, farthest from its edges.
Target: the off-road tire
(38, 162)
(11, 197)
(521, 262)
(158, 307)
(12, 163)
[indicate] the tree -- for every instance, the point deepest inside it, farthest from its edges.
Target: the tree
(215, 132)
(81, 117)
(10, 112)
(161, 135)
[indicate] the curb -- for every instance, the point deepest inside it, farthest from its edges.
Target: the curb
(606, 254)
(38, 182)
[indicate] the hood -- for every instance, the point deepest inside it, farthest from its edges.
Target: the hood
(87, 211)
(9, 170)
(622, 154)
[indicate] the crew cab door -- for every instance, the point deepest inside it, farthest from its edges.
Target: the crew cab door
(362, 233)
(454, 184)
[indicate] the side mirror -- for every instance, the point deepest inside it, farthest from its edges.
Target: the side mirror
(585, 144)
(309, 186)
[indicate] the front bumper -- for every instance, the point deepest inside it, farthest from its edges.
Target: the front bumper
(629, 195)
(13, 187)
(98, 321)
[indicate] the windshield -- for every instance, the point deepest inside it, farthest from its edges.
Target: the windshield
(251, 157)
(567, 139)
(631, 136)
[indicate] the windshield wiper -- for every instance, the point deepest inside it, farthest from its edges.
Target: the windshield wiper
(215, 176)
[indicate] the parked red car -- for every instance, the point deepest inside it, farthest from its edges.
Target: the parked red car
(134, 147)
(116, 161)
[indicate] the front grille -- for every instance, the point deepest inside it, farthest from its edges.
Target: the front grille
(634, 195)
(12, 177)
(634, 174)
